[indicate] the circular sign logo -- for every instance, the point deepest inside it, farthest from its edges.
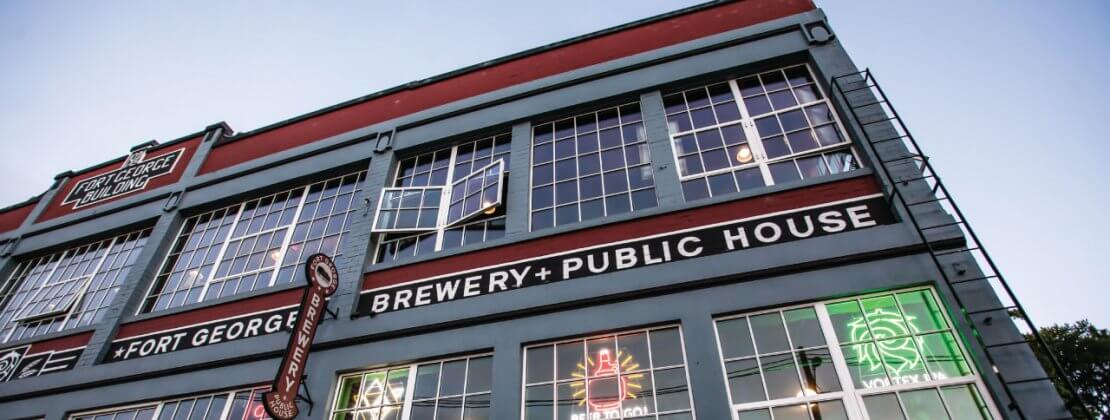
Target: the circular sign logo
(321, 272)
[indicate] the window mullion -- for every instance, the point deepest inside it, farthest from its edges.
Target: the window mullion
(444, 197)
(289, 236)
(851, 400)
(220, 255)
(227, 406)
(410, 388)
(747, 123)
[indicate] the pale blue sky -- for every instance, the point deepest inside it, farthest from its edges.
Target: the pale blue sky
(1007, 97)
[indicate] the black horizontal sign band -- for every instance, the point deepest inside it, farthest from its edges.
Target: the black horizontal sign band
(659, 249)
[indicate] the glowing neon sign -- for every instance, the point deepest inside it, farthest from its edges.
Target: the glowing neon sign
(596, 392)
(899, 355)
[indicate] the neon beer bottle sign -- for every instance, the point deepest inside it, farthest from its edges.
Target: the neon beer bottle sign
(606, 393)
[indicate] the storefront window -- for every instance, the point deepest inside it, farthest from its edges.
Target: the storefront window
(67, 289)
(590, 166)
(444, 199)
(445, 389)
(245, 404)
(255, 244)
(892, 355)
(628, 375)
(781, 130)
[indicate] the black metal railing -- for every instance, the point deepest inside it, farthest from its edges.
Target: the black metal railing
(919, 191)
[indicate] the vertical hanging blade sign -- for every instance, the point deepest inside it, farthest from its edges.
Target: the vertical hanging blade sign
(323, 278)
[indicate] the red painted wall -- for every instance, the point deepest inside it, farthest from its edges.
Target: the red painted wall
(57, 209)
(61, 343)
(12, 218)
(551, 62)
(211, 313)
(733, 210)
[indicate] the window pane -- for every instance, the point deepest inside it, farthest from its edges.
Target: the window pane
(818, 373)
(847, 320)
(478, 375)
(805, 330)
(571, 400)
(477, 407)
(671, 390)
(540, 367)
(964, 403)
(590, 165)
(864, 365)
(427, 381)
(538, 402)
(348, 392)
(744, 381)
(666, 348)
(636, 347)
(769, 333)
(923, 404)
(451, 380)
(736, 340)
(943, 355)
(781, 376)
(883, 407)
(570, 360)
(922, 312)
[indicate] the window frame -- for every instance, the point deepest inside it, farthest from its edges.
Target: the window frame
(751, 134)
(554, 382)
(151, 297)
(604, 196)
(441, 226)
(160, 404)
(410, 385)
(851, 396)
(120, 247)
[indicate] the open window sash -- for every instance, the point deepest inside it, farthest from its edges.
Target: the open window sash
(53, 300)
(476, 193)
(409, 209)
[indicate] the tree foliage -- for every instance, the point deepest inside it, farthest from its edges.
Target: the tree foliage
(1083, 351)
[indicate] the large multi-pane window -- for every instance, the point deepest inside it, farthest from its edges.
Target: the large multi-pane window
(67, 289)
(589, 166)
(443, 390)
(637, 374)
(255, 244)
(883, 356)
(444, 199)
(781, 129)
(244, 404)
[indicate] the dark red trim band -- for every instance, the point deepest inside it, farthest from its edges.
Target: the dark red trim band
(61, 343)
(572, 56)
(210, 313)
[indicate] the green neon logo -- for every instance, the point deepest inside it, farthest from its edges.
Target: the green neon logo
(900, 355)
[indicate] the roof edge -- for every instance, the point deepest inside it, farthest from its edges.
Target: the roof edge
(471, 68)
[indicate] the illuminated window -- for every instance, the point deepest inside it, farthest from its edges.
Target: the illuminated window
(445, 389)
(628, 375)
(244, 404)
(67, 289)
(782, 130)
(255, 244)
(444, 199)
(895, 352)
(590, 166)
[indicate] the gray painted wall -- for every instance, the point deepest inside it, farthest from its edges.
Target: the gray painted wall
(688, 293)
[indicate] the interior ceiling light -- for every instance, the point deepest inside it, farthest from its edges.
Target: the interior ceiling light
(744, 155)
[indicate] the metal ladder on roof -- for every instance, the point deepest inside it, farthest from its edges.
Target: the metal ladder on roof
(919, 190)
